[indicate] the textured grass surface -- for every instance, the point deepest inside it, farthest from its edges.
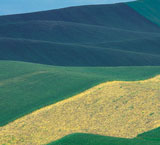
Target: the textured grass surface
(88, 139)
(147, 8)
(119, 109)
(25, 87)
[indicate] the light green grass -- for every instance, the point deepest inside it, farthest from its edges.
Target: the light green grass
(25, 87)
(119, 109)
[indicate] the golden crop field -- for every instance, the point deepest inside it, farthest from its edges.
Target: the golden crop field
(120, 109)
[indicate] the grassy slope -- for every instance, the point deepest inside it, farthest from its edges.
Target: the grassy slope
(147, 8)
(142, 45)
(27, 79)
(32, 86)
(69, 32)
(153, 135)
(88, 139)
(64, 54)
(119, 109)
(103, 15)
(79, 26)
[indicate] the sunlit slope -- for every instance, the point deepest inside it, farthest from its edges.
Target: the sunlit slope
(119, 109)
(63, 54)
(147, 8)
(90, 139)
(26, 87)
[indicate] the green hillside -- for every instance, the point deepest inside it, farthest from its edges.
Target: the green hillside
(142, 45)
(100, 35)
(49, 56)
(26, 87)
(63, 54)
(147, 8)
(88, 139)
(114, 16)
(69, 32)
(153, 135)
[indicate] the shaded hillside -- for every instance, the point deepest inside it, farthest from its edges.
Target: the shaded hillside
(147, 8)
(143, 45)
(58, 31)
(25, 87)
(113, 15)
(63, 54)
(77, 36)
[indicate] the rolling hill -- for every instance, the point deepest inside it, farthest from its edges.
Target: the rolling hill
(69, 32)
(119, 109)
(143, 45)
(64, 54)
(113, 16)
(26, 87)
(49, 59)
(73, 36)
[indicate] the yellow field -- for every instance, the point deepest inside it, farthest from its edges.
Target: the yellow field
(121, 109)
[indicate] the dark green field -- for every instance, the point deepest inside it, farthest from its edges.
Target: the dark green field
(149, 138)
